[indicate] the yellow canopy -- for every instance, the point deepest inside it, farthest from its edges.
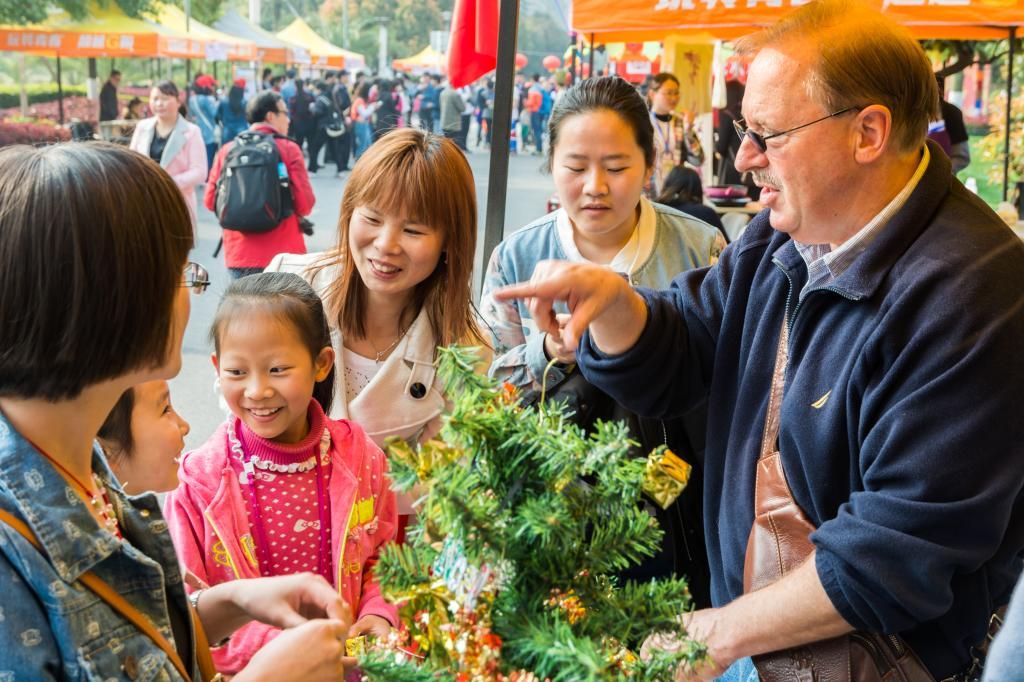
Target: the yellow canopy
(322, 53)
(106, 32)
(219, 46)
(427, 59)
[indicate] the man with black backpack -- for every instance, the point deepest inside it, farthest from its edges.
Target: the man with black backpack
(259, 189)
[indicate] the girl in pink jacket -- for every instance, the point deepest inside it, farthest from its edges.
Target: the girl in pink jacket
(281, 488)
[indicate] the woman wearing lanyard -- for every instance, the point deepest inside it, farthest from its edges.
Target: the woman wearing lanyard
(675, 142)
(601, 155)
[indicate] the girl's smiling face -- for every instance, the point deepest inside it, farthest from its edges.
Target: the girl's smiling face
(158, 437)
(267, 375)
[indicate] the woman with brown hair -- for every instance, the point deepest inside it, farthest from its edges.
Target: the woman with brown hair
(397, 285)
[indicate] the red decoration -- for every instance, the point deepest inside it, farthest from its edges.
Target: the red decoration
(521, 60)
(473, 43)
(551, 62)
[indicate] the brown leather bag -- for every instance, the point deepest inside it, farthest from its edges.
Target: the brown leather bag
(779, 543)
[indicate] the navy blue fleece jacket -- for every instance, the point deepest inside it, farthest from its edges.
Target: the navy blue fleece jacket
(902, 433)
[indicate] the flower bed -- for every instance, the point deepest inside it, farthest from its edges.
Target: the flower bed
(31, 133)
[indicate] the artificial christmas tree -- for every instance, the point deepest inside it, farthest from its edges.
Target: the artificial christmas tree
(525, 522)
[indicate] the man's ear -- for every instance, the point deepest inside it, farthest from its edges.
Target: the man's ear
(873, 133)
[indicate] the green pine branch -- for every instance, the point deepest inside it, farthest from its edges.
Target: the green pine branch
(561, 510)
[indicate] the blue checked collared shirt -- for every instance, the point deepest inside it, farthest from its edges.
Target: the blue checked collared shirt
(825, 265)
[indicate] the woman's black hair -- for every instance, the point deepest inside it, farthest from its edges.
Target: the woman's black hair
(290, 299)
(93, 239)
(607, 92)
(168, 88)
(235, 99)
(261, 104)
(682, 185)
(117, 428)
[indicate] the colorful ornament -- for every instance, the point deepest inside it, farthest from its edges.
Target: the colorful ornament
(665, 477)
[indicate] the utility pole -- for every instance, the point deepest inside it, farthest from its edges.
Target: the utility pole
(382, 56)
(344, 24)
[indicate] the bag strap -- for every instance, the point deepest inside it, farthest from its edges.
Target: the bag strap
(770, 439)
(129, 612)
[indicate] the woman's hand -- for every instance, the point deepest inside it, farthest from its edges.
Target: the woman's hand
(290, 600)
(597, 297)
(282, 601)
(311, 652)
(375, 626)
(555, 346)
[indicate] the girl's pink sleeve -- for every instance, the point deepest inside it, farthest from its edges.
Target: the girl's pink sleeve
(243, 645)
(372, 602)
(184, 513)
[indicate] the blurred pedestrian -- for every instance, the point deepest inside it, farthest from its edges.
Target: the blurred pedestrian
(231, 112)
(173, 142)
(202, 109)
(108, 97)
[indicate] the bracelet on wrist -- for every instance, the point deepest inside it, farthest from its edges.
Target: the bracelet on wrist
(193, 600)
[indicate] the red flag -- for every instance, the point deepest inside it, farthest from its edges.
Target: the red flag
(473, 43)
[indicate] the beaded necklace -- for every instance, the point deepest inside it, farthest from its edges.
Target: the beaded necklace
(99, 501)
(325, 563)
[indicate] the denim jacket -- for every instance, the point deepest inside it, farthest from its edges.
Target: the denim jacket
(680, 243)
(51, 625)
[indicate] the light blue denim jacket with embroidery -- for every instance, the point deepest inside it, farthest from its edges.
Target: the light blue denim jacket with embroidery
(51, 625)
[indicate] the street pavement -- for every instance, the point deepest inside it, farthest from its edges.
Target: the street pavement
(192, 390)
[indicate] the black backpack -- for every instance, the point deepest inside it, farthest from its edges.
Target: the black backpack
(253, 192)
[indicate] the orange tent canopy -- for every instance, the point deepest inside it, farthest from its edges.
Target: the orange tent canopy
(107, 32)
(638, 20)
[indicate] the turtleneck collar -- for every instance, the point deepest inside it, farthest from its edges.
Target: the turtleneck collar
(285, 453)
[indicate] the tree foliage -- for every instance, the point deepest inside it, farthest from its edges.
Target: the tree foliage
(409, 24)
(523, 528)
(34, 11)
(960, 54)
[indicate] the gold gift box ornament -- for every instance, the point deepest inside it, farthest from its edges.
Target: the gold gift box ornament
(665, 476)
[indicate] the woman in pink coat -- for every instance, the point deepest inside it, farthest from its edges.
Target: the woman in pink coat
(173, 142)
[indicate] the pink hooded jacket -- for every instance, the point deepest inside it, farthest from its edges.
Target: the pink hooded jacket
(210, 528)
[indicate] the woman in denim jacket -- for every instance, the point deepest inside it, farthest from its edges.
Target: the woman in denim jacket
(73, 338)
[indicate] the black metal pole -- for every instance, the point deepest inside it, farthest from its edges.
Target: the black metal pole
(592, 74)
(1009, 116)
(60, 93)
(497, 177)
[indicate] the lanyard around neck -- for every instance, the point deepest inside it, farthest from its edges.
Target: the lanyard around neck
(666, 140)
(325, 563)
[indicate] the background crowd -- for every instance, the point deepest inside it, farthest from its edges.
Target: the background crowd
(623, 302)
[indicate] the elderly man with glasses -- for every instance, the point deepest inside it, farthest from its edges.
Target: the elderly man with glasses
(859, 349)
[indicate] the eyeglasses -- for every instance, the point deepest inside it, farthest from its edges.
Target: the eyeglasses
(196, 278)
(760, 141)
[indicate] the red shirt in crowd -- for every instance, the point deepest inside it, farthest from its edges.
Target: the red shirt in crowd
(248, 250)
